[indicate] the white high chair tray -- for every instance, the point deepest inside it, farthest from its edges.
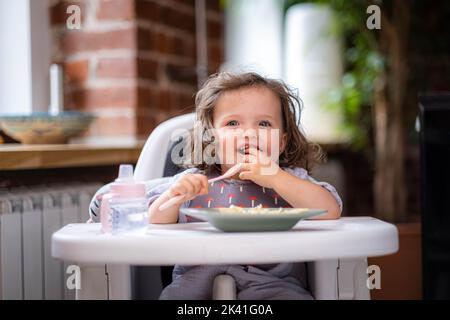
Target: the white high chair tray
(195, 243)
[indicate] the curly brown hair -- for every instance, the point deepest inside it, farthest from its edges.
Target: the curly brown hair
(299, 152)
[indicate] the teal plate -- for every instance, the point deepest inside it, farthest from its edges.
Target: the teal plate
(253, 222)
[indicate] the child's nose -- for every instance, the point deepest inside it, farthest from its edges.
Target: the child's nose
(250, 131)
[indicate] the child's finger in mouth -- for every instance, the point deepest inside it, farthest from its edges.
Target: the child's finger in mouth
(245, 149)
(254, 150)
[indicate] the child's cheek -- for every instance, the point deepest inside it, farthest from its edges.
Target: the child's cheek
(269, 140)
(227, 147)
(264, 141)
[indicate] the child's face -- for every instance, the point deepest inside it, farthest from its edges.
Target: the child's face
(248, 117)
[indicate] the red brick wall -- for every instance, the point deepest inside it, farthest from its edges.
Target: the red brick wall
(133, 62)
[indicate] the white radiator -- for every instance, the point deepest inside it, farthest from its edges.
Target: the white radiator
(28, 218)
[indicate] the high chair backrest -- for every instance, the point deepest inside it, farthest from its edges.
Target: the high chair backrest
(153, 158)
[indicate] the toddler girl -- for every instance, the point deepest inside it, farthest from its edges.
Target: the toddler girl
(251, 120)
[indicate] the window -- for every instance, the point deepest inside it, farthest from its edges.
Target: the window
(24, 56)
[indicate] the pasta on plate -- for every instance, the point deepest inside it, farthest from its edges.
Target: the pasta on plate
(260, 210)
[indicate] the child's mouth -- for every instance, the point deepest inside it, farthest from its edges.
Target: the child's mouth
(245, 149)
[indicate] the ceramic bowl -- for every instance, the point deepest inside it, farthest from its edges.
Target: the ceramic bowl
(45, 128)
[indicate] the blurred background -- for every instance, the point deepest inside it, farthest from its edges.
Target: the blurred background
(358, 67)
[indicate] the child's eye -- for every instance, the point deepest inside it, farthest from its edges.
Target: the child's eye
(265, 124)
(232, 123)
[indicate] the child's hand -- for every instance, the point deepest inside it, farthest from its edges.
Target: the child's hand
(189, 185)
(259, 168)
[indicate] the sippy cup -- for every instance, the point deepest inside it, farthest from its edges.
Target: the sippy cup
(124, 194)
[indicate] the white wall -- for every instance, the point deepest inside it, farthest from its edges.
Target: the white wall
(24, 56)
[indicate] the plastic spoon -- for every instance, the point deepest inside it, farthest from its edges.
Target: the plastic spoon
(230, 172)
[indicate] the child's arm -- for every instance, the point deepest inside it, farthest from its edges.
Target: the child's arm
(170, 215)
(191, 185)
(299, 193)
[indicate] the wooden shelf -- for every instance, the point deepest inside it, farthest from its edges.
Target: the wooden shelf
(18, 157)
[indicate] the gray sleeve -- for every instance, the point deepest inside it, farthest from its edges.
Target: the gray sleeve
(303, 174)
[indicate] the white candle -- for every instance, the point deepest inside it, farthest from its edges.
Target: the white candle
(56, 89)
(253, 36)
(313, 66)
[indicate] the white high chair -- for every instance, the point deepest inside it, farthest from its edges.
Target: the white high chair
(327, 279)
